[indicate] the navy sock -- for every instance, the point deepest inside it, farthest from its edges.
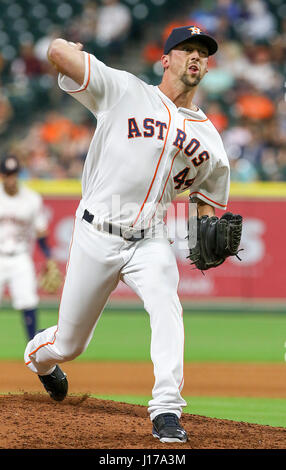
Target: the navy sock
(30, 322)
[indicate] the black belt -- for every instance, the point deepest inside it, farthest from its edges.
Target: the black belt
(127, 234)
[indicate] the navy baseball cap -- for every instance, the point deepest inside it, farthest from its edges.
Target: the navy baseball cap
(9, 165)
(187, 33)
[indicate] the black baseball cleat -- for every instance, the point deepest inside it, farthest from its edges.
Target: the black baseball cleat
(167, 428)
(56, 384)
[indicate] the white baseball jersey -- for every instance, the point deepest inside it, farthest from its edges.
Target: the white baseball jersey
(21, 216)
(146, 153)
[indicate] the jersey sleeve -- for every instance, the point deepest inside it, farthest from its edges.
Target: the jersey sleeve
(40, 215)
(213, 187)
(102, 87)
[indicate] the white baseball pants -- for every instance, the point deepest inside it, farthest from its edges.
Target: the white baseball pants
(18, 273)
(96, 263)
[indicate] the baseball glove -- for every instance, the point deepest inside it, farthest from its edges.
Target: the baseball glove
(50, 278)
(217, 238)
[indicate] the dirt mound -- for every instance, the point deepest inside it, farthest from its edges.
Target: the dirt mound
(34, 421)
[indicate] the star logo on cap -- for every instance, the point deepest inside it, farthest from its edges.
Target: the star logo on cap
(195, 30)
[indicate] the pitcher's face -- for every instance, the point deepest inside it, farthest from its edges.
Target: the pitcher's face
(188, 62)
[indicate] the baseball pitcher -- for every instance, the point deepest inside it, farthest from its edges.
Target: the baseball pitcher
(151, 143)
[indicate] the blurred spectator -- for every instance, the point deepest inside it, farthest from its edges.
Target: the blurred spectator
(259, 23)
(254, 148)
(218, 81)
(153, 51)
(55, 128)
(54, 148)
(113, 25)
(215, 113)
(27, 64)
(83, 27)
(243, 170)
(205, 18)
(268, 165)
(229, 9)
(231, 58)
(235, 138)
(260, 71)
(254, 106)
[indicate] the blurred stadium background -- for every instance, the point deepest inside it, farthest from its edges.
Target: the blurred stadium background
(244, 96)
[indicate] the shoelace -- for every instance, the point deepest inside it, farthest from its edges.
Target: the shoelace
(171, 420)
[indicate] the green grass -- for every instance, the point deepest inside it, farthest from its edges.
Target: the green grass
(265, 411)
(225, 337)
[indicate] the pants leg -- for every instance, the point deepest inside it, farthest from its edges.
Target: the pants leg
(153, 274)
(23, 282)
(30, 321)
(92, 274)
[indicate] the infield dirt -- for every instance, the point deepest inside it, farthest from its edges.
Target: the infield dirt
(31, 420)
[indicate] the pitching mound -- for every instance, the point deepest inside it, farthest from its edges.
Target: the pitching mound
(34, 421)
